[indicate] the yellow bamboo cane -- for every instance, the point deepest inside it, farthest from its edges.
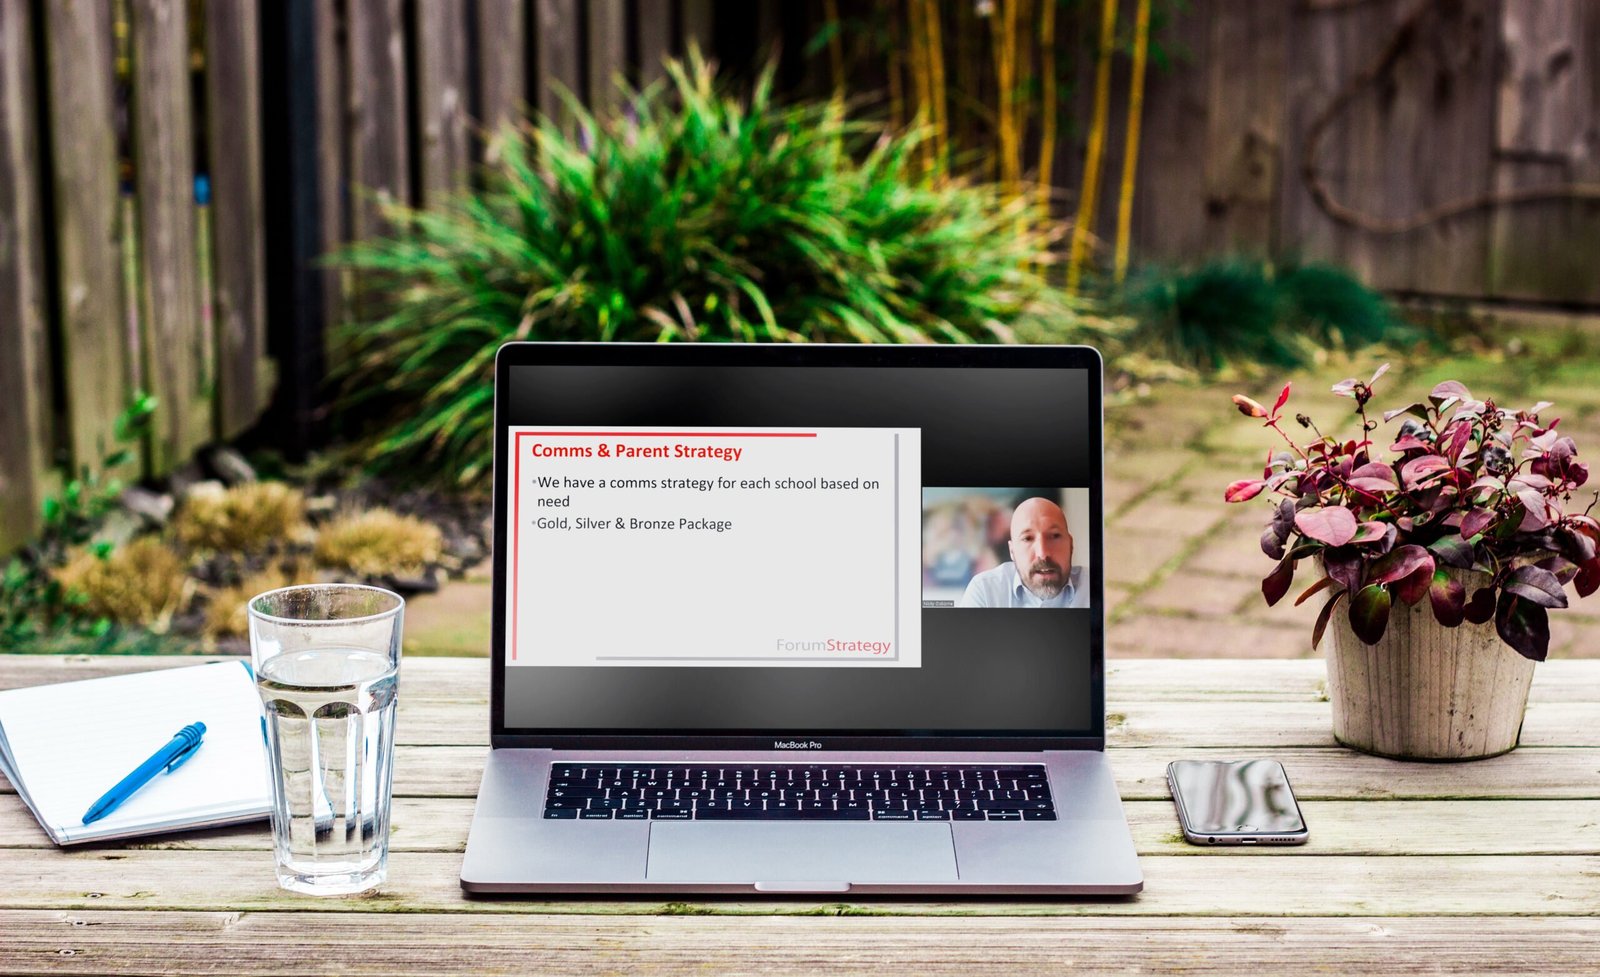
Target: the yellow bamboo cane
(1130, 154)
(1006, 80)
(835, 46)
(1047, 124)
(941, 119)
(1097, 143)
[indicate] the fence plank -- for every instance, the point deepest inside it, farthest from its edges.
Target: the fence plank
(1418, 136)
(233, 84)
(502, 69)
(556, 40)
(333, 173)
(1245, 124)
(652, 32)
(179, 354)
(1546, 136)
(97, 364)
(441, 71)
(608, 53)
(26, 424)
(379, 164)
(699, 25)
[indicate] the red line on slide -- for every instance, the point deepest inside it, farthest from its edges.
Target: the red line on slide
(669, 434)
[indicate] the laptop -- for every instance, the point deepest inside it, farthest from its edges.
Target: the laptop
(798, 619)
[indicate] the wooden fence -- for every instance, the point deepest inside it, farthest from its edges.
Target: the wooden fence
(120, 271)
(1445, 148)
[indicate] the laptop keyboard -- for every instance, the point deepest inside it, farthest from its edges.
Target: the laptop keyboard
(801, 793)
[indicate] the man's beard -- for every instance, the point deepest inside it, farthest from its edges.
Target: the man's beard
(1045, 588)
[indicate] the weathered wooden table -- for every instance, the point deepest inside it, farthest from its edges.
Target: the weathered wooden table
(1412, 868)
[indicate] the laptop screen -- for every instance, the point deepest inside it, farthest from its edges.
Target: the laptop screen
(803, 543)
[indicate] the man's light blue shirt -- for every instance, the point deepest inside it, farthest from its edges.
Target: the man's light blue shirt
(1003, 587)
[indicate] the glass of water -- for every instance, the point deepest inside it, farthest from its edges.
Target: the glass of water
(327, 664)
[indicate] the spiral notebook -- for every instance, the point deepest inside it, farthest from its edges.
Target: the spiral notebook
(63, 746)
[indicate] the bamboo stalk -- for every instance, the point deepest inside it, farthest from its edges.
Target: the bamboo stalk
(1047, 108)
(835, 46)
(897, 95)
(915, 11)
(1006, 79)
(1097, 141)
(1130, 154)
(941, 119)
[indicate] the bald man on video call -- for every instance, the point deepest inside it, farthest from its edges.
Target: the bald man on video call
(1040, 572)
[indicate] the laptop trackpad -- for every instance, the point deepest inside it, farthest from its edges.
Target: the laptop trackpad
(789, 851)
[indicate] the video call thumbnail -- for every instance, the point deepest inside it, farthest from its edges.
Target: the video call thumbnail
(1005, 547)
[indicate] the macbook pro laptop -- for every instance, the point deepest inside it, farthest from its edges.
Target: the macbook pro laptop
(798, 619)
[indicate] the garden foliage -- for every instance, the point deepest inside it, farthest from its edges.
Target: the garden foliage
(697, 216)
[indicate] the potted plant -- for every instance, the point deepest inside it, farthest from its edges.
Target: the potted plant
(1440, 562)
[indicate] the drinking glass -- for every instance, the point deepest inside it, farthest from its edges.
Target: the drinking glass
(327, 665)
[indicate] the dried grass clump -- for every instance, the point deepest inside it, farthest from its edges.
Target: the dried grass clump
(228, 613)
(378, 543)
(245, 517)
(142, 583)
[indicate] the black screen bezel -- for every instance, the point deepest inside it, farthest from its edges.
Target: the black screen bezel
(751, 355)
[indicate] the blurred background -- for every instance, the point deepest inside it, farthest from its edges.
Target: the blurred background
(255, 257)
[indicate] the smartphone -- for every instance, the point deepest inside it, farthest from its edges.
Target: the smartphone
(1236, 802)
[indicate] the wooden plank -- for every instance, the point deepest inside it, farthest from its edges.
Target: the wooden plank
(333, 174)
(652, 32)
(1127, 680)
(1419, 136)
(27, 429)
(699, 26)
(442, 87)
(233, 124)
(271, 943)
(98, 360)
(179, 355)
(1169, 209)
(502, 69)
(1245, 124)
(556, 45)
(607, 44)
(379, 160)
(1545, 136)
(1285, 884)
(1372, 828)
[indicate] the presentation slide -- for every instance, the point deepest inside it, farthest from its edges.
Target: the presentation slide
(721, 546)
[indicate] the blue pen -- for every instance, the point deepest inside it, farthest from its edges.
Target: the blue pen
(172, 756)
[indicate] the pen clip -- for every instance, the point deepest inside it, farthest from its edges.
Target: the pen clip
(188, 751)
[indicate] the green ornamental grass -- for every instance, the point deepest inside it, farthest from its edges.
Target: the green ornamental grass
(696, 216)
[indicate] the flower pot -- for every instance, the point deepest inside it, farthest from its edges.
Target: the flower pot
(1425, 691)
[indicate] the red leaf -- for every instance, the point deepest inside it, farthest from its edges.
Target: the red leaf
(1373, 486)
(1370, 532)
(1248, 407)
(1322, 619)
(1334, 525)
(1415, 587)
(1476, 522)
(1415, 471)
(1448, 390)
(1449, 599)
(1410, 443)
(1481, 607)
(1277, 582)
(1320, 585)
(1244, 490)
(1369, 613)
(1380, 372)
(1588, 579)
(1400, 562)
(1283, 398)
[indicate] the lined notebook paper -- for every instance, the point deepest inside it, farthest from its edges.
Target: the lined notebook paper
(63, 746)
